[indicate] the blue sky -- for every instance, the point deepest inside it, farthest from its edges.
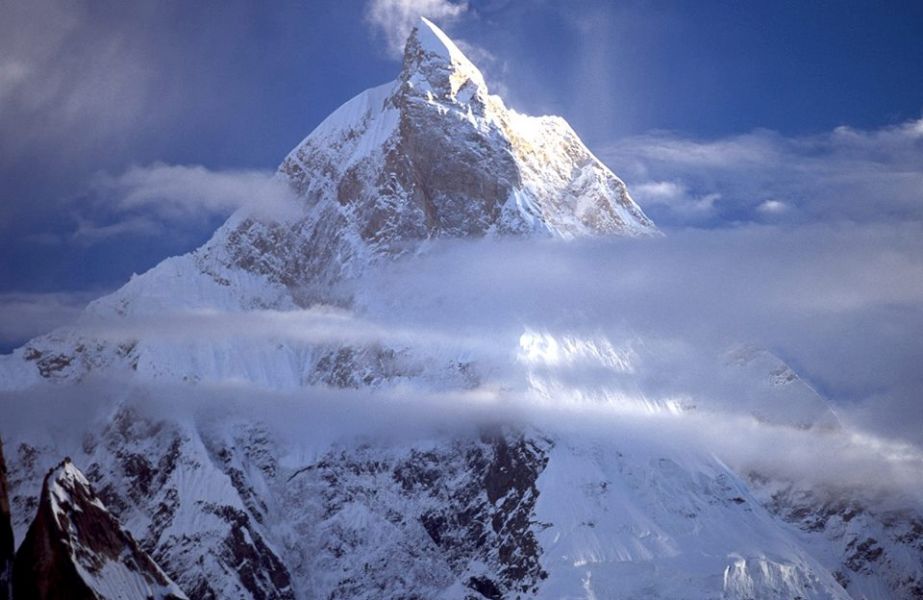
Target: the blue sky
(717, 114)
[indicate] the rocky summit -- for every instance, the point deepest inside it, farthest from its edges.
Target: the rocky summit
(76, 549)
(247, 439)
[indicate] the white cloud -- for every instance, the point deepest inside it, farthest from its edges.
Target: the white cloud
(677, 198)
(145, 200)
(772, 207)
(182, 191)
(88, 232)
(660, 190)
(843, 175)
(841, 302)
(394, 19)
(24, 315)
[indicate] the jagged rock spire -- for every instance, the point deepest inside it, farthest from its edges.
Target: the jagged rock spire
(77, 549)
(433, 62)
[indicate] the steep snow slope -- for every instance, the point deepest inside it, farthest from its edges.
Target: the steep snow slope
(757, 383)
(235, 507)
(174, 497)
(637, 518)
(873, 549)
(432, 154)
(242, 506)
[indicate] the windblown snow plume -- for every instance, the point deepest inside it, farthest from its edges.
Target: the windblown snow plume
(395, 19)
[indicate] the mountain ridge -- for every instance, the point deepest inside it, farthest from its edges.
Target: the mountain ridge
(232, 505)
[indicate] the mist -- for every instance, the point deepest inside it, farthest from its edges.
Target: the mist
(842, 305)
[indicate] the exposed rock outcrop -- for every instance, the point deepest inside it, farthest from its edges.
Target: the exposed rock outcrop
(76, 549)
(874, 548)
(415, 522)
(431, 154)
(7, 546)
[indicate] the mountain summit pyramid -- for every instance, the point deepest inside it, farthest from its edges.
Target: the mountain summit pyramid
(429, 155)
(434, 153)
(213, 440)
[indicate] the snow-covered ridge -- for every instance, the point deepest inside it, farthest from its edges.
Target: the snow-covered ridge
(432, 154)
(442, 156)
(76, 544)
(232, 507)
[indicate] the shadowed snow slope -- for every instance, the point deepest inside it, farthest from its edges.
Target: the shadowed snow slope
(432, 154)
(233, 447)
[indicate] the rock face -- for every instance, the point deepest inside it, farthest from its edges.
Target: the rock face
(196, 507)
(419, 521)
(7, 547)
(876, 552)
(262, 502)
(76, 549)
(435, 154)
(430, 155)
(236, 509)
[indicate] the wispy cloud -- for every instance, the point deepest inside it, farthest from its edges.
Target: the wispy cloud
(841, 302)
(66, 73)
(677, 198)
(394, 19)
(24, 315)
(843, 175)
(174, 192)
(146, 201)
(314, 419)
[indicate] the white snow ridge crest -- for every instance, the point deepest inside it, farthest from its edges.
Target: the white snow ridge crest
(256, 421)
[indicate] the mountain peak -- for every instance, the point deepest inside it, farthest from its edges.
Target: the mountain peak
(434, 40)
(76, 545)
(433, 62)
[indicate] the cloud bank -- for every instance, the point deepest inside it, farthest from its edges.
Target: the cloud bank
(842, 303)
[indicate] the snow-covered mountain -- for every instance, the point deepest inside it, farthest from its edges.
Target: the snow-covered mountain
(263, 498)
(429, 155)
(76, 549)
